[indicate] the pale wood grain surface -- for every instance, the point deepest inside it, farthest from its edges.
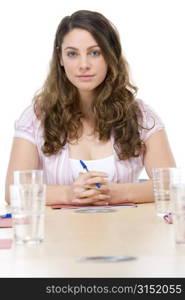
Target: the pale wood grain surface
(70, 235)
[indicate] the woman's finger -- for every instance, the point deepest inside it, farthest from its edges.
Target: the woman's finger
(93, 192)
(104, 188)
(101, 202)
(94, 180)
(88, 175)
(91, 200)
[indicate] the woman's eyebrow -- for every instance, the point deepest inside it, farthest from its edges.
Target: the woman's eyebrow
(73, 48)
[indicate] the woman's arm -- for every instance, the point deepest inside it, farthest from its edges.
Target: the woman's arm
(158, 154)
(24, 156)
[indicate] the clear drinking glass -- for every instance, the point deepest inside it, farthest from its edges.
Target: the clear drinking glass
(28, 210)
(161, 180)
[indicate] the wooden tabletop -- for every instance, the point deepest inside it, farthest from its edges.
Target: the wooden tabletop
(71, 235)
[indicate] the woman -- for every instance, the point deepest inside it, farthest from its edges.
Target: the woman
(87, 110)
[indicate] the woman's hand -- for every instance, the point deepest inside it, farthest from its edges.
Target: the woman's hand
(84, 190)
(118, 193)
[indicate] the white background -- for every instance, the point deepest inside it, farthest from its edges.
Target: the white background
(152, 34)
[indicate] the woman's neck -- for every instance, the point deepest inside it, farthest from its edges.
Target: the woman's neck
(86, 100)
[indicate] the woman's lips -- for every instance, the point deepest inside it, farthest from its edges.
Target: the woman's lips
(85, 77)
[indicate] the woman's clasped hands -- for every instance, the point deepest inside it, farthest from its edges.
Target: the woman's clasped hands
(85, 192)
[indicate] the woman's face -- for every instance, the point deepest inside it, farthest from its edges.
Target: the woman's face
(82, 59)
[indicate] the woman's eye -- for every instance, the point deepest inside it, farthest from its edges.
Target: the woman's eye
(71, 54)
(95, 53)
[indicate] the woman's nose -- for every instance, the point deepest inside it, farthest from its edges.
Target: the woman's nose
(84, 62)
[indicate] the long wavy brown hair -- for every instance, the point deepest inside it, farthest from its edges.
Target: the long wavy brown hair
(115, 109)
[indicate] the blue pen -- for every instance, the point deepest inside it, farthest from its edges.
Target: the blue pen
(85, 167)
(6, 216)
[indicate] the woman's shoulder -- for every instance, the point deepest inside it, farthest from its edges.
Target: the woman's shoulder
(27, 125)
(147, 110)
(28, 115)
(144, 106)
(151, 122)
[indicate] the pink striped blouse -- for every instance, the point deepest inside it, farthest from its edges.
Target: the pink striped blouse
(57, 168)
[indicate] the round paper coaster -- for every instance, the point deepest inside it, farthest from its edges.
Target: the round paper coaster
(106, 258)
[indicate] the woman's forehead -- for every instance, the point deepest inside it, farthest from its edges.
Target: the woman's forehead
(79, 38)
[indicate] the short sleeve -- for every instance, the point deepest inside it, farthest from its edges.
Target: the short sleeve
(25, 126)
(151, 121)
